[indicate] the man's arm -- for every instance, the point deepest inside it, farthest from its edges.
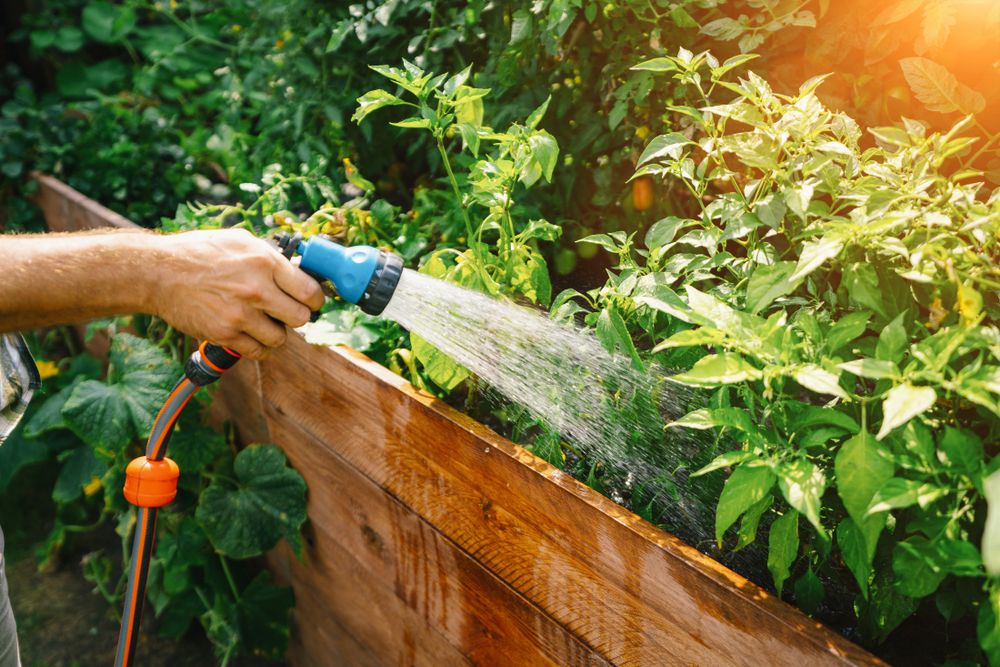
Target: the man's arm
(219, 286)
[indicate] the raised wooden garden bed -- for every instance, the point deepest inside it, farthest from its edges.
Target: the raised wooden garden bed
(434, 542)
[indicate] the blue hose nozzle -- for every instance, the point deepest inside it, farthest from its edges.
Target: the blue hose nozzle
(361, 274)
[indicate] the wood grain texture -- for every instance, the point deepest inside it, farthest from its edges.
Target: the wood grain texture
(634, 594)
(66, 210)
(483, 618)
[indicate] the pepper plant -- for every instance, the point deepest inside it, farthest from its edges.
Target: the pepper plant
(847, 294)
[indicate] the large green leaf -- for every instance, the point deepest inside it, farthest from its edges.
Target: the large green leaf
(110, 415)
(746, 486)
(267, 504)
(783, 547)
(748, 526)
(863, 465)
(814, 253)
(854, 550)
(611, 330)
(768, 283)
(809, 592)
(49, 416)
(802, 483)
(106, 22)
(903, 403)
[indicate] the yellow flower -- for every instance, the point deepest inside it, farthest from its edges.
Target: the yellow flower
(47, 369)
(970, 303)
(643, 132)
(173, 4)
(237, 27)
(279, 44)
(93, 487)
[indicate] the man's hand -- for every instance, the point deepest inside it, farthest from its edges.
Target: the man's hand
(222, 286)
(225, 287)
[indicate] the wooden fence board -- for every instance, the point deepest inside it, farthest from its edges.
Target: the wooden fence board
(628, 590)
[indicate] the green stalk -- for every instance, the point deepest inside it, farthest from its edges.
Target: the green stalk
(469, 234)
(229, 577)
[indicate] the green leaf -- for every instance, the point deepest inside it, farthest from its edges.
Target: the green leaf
(664, 231)
(748, 484)
(899, 492)
(854, 550)
(349, 327)
(107, 23)
(666, 145)
(267, 504)
(863, 466)
(179, 552)
(617, 114)
(820, 380)
(861, 281)
(536, 116)
(111, 415)
(470, 137)
(812, 415)
(49, 416)
(545, 149)
(442, 371)
(520, 27)
(814, 253)
(768, 283)
(688, 337)
(893, 340)
(656, 65)
(903, 403)
(42, 39)
(783, 547)
(194, 444)
(748, 526)
(802, 483)
(714, 369)
(372, 100)
(916, 569)
(79, 470)
(809, 592)
(723, 460)
(963, 448)
(872, 368)
(418, 123)
(339, 34)
(611, 329)
(885, 608)
(16, 452)
(262, 612)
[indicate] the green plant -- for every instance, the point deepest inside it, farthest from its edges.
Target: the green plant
(224, 512)
(849, 297)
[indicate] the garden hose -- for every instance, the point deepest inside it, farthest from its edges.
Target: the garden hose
(362, 275)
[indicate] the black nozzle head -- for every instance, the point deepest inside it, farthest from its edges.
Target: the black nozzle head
(382, 286)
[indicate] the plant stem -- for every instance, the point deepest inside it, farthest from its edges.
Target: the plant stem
(229, 652)
(470, 235)
(229, 577)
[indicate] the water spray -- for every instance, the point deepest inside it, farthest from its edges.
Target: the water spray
(362, 275)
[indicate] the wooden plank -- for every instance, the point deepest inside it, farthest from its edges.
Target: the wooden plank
(630, 591)
(485, 619)
(237, 398)
(66, 210)
(365, 610)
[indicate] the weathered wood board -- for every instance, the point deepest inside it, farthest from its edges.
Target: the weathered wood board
(433, 542)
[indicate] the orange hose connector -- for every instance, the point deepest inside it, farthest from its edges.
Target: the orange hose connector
(151, 483)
